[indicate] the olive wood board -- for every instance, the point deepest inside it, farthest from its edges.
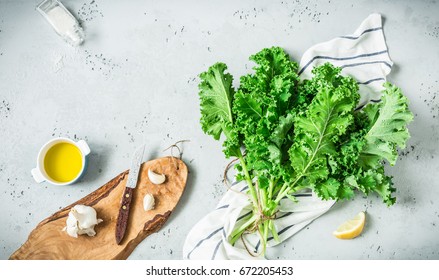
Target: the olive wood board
(49, 241)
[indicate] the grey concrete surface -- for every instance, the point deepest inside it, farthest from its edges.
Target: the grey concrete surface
(135, 80)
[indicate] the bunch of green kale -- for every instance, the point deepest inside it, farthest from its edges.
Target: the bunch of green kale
(290, 135)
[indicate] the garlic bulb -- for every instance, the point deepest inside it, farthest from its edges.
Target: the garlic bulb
(82, 220)
(156, 178)
(148, 202)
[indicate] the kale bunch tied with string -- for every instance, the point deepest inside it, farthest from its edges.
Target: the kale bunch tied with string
(290, 135)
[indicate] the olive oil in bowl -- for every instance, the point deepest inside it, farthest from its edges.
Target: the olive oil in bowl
(63, 162)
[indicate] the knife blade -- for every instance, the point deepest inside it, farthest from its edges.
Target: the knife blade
(124, 210)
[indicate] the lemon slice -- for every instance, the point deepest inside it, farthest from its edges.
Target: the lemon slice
(352, 228)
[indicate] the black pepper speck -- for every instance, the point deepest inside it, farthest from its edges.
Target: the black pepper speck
(89, 12)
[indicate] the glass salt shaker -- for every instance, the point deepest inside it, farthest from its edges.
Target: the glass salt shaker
(64, 23)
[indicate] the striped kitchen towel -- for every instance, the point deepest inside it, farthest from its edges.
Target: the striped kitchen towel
(362, 55)
(208, 238)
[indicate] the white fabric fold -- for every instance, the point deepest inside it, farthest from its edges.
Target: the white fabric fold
(362, 55)
(208, 239)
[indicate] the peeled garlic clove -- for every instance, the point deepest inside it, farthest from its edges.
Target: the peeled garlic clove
(148, 202)
(81, 220)
(156, 178)
(72, 226)
(89, 231)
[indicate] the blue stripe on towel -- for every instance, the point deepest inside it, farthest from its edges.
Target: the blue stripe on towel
(222, 207)
(360, 107)
(202, 240)
(302, 194)
(362, 33)
(286, 215)
(270, 238)
(219, 243)
(339, 58)
(216, 249)
(281, 231)
(243, 216)
(213, 233)
(364, 63)
(371, 81)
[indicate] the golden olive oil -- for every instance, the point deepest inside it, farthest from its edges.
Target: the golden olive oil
(63, 162)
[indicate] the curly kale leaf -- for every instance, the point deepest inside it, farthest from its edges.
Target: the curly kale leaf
(375, 135)
(318, 129)
(388, 127)
(216, 97)
(264, 117)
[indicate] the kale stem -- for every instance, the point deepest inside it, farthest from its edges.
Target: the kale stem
(238, 232)
(264, 235)
(270, 189)
(287, 189)
(253, 195)
(262, 200)
(282, 192)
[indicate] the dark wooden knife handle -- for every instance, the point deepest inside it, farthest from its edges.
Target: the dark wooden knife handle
(124, 211)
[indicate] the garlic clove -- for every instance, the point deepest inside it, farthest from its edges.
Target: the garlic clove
(148, 202)
(88, 231)
(81, 220)
(155, 178)
(72, 232)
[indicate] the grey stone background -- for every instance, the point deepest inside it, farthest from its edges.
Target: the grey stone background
(135, 80)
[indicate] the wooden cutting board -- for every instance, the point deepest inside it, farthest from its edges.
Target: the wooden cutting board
(49, 241)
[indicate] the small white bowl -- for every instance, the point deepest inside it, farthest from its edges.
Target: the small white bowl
(39, 173)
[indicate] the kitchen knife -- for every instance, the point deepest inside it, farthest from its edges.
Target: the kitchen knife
(124, 210)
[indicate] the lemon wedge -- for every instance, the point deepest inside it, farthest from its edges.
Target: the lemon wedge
(352, 228)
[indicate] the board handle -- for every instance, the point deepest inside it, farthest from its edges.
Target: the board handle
(124, 212)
